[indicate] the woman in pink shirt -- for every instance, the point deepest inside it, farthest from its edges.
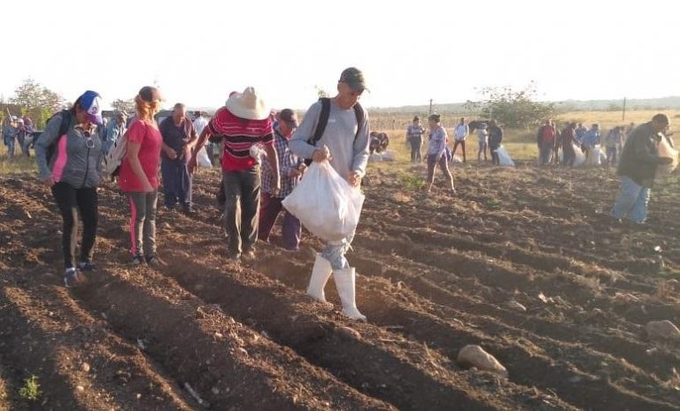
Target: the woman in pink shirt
(138, 176)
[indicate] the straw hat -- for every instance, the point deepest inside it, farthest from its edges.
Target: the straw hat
(248, 105)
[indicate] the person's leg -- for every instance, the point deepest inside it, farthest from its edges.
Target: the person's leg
(269, 211)
(419, 150)
(431, 163)
(485, 149)
(10, 147)
(456, 143)
(250, 201)
(614, 156)
(292, 231)
(151, 202)
(639, 212)
(444, 165)
(65, 197)
(169, 175)
(137, 217)
(185, 187)
(627, 198)
(479, 152)
(412, 142)
(232, 211)
(88, 206)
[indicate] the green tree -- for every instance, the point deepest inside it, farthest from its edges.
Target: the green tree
(36, 100)
(513, 108)
(127, 106)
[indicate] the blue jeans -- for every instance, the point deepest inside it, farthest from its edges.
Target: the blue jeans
(632, 201)
(10, 146)
(335, 252)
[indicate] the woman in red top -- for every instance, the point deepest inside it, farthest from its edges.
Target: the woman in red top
(138, 176)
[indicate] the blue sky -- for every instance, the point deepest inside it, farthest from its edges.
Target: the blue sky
(410, 51)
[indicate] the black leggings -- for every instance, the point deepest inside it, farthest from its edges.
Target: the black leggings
(72, 200)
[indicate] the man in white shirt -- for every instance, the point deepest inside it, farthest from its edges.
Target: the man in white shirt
(460, 134)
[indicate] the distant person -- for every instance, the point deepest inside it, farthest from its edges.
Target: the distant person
(569, 139)
(73, 174)
(179, 139)
(138, 177)
(26, 131)
(292, 169)
(580, 131)
(590, 140)
(546, 139)
(345, 143)
(495, 140)
(200, 122)
(637, 169)
(244, 124)
(22, 135)
(114, 131)
(558, 142)
(483, 139)
(613, 141)
(460, 135)
(9, 135)
(414, 136)
(436, 152)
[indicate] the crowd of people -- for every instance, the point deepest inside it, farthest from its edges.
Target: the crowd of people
(263, 156)
(17, 131)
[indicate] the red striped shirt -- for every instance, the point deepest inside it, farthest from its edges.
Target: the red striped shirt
(239, 135)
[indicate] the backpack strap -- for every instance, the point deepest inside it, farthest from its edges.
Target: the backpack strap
(359, 112)
(66, 118)
(323, 120)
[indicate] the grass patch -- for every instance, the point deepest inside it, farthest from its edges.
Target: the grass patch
(17, 165)
(413, 182)
(31, 389)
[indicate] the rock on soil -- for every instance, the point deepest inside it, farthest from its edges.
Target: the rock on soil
(474, 356)
(662, 330)
(517, 306)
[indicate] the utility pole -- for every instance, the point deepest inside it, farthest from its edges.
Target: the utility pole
(623, 116)
(430, 107)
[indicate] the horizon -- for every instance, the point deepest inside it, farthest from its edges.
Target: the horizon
(409, 54)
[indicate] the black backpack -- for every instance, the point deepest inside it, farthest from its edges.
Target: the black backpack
(66, 119)
(323, 120)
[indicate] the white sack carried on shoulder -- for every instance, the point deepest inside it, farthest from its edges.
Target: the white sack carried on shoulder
(666, 150)
(325, 203)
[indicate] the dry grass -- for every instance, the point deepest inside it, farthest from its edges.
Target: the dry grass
(17, 165)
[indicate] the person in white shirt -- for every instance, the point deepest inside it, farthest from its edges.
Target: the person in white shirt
(460, 134)
(199, 124)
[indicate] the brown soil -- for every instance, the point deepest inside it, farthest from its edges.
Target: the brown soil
(435, 273)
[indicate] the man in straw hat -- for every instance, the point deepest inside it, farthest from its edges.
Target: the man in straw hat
(243, 123)
(345, 143)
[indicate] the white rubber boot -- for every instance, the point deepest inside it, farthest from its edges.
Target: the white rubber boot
(345, 282)
(320, 274)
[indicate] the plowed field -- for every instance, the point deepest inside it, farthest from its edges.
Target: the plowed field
(435, 273)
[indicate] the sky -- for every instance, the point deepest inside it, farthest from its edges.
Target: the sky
(410, 52)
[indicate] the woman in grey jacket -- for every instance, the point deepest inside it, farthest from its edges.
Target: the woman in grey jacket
(69, 158)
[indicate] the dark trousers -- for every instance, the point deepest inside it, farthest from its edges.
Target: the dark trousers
(612, 155)
(72, 201)
(269, 212)
(416, 149)
(569, 155)
(494, 155)
(241, 208)
(176, 183)
(461, 143)
(546, 151)
(432, 161)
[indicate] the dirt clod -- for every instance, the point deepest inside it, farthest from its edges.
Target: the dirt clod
(662, 330)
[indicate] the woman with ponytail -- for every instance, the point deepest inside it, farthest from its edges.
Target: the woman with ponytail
(138, 176)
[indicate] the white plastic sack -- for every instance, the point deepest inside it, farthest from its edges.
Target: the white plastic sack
(202, 158)
(325, 203)
(504, 157)
(389, 156)
(375, 157)
(666, 150)
(457, 159)
(579, 157)
(596, 155)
